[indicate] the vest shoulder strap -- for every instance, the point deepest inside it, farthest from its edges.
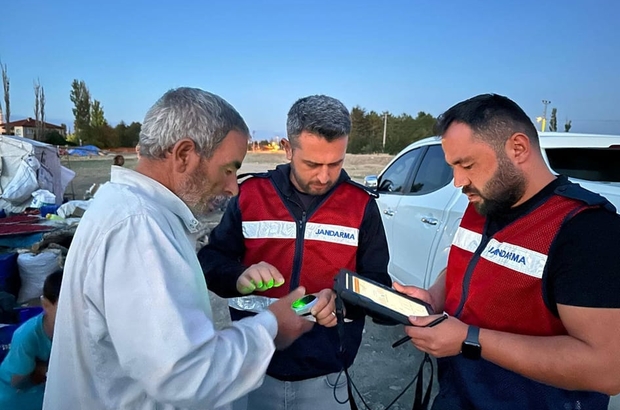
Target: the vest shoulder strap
(248, 175)
(575, 191)
(369, 191)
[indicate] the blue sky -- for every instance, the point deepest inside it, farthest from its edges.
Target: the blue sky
(401, 56)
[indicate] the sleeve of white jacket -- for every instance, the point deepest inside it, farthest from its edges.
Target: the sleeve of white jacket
(156, 308)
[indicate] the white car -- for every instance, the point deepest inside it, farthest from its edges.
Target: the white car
(421, 208)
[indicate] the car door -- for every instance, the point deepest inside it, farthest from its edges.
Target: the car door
(391, 186)
(419, 217)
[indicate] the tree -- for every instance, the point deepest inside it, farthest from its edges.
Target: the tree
(567, 125)
(42, 110)
(367, 131)
(121, 130)
(97, 119)
(553, 122)
(39, 110)
(128, 136)
(55, 138)
(101, 134)
(104, 136)
(7, 95)
(360, 131)
(133, 134)
(37, 92)
(72, 139)
(80, 96)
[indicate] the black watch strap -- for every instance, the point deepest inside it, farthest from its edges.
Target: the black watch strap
(473, 335)
(471, 346)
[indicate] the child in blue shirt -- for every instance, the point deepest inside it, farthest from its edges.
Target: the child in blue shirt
(23, 371)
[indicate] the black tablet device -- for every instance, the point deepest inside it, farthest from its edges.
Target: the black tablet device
(377, 299)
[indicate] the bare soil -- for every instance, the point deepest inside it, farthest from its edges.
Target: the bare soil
(96, 169)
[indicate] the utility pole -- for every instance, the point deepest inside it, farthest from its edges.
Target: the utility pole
(384, 129)
(544, 119)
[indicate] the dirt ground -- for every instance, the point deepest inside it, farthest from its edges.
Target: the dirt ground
(96, 169)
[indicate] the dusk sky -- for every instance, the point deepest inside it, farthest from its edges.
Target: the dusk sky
(397, 56)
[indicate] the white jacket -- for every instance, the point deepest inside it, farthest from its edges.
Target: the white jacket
(134, 328)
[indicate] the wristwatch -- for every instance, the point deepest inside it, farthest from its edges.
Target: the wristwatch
(470, 348)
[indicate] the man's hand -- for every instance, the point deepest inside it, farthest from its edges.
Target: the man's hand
(260, 276)
(290, 325)
(324, 311)
(442, 340)
(415, 292)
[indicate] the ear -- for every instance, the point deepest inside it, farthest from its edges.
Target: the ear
(184, 155)
(518, 148)
(288, 148)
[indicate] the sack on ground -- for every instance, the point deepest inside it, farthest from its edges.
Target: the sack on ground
(33, 269)
(42, 197)
(24, 183)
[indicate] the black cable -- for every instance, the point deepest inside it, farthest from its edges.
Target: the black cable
(334, 389)
(350, 380)
(340, 319)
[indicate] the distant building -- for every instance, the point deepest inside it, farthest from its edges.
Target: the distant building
(27, 128)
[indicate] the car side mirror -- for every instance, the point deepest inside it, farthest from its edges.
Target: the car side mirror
(371, 181)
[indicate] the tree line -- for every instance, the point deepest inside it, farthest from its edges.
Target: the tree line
(90, 125)
(372, 132)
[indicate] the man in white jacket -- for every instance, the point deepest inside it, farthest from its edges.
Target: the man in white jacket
(134, 327)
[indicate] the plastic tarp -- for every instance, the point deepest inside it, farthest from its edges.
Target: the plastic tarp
(84, 151)
(51, 175)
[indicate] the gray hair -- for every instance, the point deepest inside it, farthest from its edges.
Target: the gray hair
(321, 115)
(203, 117)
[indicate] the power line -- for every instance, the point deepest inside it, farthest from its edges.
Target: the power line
(595, 120)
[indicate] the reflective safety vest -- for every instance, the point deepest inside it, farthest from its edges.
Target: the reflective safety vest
(308, 251)
(496, 283)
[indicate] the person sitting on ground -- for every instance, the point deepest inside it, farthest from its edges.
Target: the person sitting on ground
(23, 371)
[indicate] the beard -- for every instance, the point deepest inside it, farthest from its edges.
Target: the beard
(505, 188)
(195, 192)
(308, 187)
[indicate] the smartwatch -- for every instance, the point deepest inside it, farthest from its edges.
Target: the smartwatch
(470, 348)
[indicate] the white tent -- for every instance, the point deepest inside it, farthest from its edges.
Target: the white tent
(17, 153)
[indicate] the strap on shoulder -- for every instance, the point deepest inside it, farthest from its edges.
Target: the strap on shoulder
(577, 192)
(373, 193)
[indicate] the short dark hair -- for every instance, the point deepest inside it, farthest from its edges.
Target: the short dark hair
(493, 118)
(51, 286)
(321, 115)
(119, 160)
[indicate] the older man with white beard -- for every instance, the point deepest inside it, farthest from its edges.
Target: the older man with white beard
(134, 328)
